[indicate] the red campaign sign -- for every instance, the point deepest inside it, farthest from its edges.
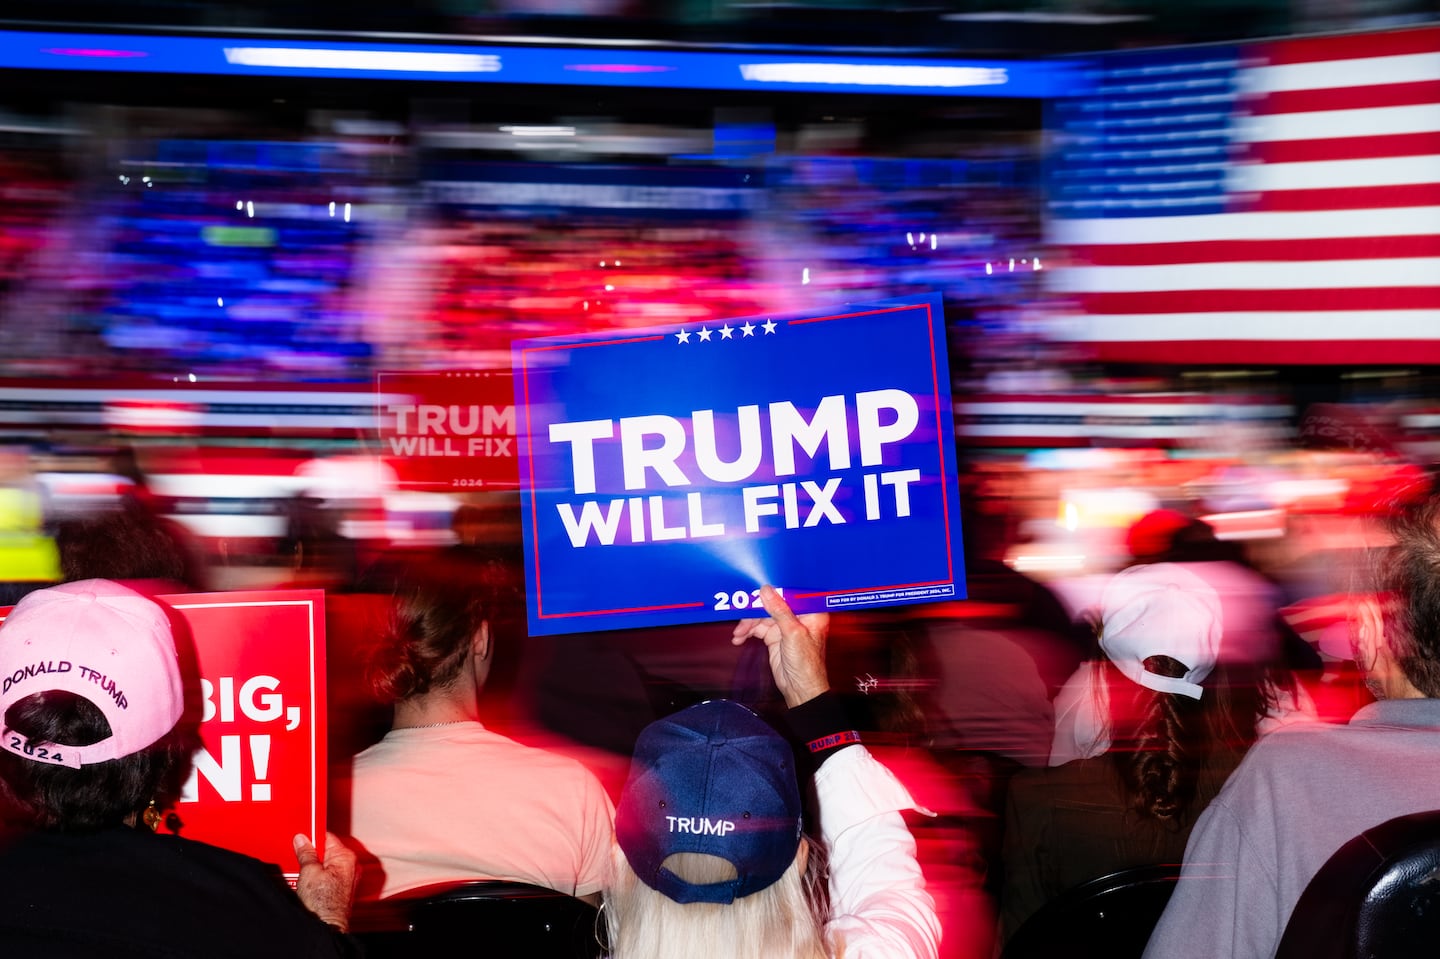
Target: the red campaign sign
(259, 777)
(452, 430)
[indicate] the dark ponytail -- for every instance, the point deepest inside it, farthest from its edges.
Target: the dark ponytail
(1160, 742)
(1159, 754)
(438, 608)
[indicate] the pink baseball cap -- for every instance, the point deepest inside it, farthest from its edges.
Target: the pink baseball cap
(103, 642)
(1161, 610)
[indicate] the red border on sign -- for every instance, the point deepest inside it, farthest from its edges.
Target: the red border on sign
(317, 762)
(940, 434)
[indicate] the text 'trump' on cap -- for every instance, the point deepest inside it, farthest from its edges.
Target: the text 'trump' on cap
(712, 779)
(103, 642)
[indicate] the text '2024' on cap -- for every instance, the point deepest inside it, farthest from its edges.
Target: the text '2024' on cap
(101, 641)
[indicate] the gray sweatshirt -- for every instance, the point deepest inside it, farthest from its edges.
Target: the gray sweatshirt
(1301, 793)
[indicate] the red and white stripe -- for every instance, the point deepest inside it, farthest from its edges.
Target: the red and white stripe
(1331, 250)
(1158, 419)
(234, 409)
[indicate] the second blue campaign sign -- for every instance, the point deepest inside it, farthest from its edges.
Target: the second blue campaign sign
(668, 473)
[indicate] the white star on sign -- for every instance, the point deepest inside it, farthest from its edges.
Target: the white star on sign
(725, 331)
(705, 333)
(769, 326)
(748, 329)
(683, 336)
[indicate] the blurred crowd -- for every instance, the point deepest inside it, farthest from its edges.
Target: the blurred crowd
(1150, 596)
(1205, 606)
(314, 260)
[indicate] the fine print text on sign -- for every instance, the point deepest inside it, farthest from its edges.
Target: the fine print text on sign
(668, 473)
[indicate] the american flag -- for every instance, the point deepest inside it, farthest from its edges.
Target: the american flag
(1275, 202)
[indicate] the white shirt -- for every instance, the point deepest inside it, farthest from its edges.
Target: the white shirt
(459, 802)
(879, 908)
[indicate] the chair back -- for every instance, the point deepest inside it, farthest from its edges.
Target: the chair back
(1378, 896)
(482, 919)
(1106, 918)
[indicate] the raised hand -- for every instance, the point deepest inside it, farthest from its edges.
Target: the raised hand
(796, 645)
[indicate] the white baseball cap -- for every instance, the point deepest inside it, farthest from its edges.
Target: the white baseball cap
(1161, 610)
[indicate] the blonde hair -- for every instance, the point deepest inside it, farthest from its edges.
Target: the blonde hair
(778, 922)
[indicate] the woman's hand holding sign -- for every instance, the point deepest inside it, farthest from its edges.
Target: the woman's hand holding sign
(796, 645)
(326, 886)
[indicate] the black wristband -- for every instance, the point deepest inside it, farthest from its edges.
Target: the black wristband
(822, 726)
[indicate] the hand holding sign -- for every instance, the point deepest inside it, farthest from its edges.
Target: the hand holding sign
(326, 887)
(796, 645)
(260, 658)
(261, 692)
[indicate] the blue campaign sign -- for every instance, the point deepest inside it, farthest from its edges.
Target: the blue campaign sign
(668, 473)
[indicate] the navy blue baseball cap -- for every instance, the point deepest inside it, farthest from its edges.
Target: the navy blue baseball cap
(712, 779)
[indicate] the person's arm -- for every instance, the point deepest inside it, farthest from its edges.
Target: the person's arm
(1224, 906)
(879, 908)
